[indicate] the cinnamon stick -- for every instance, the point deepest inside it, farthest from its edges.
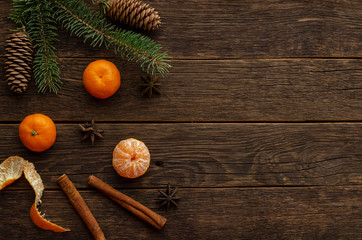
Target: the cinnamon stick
(80, 206)
(128, 203)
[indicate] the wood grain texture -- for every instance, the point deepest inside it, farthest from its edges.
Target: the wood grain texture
(233, 61)
(204, 155)
(251, 213)
(235, 90)
(214, 29)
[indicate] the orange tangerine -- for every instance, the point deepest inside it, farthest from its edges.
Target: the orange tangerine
(101, 79)
(37, 132)
(131, 158)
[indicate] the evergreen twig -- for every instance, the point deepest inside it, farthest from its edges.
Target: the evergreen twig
(103, 5)
(18, 12)
(37, 17)
(79, 19)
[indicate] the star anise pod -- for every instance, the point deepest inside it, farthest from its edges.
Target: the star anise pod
(90, 131)
(150, 85)
(168, 197)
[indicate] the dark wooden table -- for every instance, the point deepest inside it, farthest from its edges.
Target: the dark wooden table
(261, 127)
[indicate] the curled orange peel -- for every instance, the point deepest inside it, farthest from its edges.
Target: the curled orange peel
(11, 170)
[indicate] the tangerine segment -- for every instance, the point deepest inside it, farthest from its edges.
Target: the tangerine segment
(131, 158)
(10, 170)
(43, 223)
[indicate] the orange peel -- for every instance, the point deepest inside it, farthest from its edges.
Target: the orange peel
(11, 170)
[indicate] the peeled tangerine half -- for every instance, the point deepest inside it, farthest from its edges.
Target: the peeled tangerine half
(131, 158)
(12, 169)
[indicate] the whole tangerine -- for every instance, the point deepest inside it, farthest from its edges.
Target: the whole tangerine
(131, 158)
(101, 79)
(37, 132)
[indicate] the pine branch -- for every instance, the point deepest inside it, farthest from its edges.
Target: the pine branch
(42, 30)
(79, 19)
(103, 5)
(37, 17)
(18, 12)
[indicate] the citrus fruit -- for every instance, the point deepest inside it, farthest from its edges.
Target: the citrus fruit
(101, 79)
(37, 132)
(10, 170)
(131, 158)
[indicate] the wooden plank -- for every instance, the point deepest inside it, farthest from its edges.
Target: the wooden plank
(244, 90)
(214, 29)
(256, 213)
(204, 155)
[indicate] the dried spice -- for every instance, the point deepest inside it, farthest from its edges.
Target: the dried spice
(168, 197)
(90, 131)
(128, 203)
(150, 85)
(80, 206)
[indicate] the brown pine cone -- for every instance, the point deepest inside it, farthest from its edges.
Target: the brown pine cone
(134, 13)
(18, 61)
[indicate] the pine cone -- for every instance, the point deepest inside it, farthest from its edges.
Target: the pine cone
(134, 13)
(18, 61)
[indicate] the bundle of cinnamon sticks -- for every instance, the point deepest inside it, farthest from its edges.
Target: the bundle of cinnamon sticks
(139, 210)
